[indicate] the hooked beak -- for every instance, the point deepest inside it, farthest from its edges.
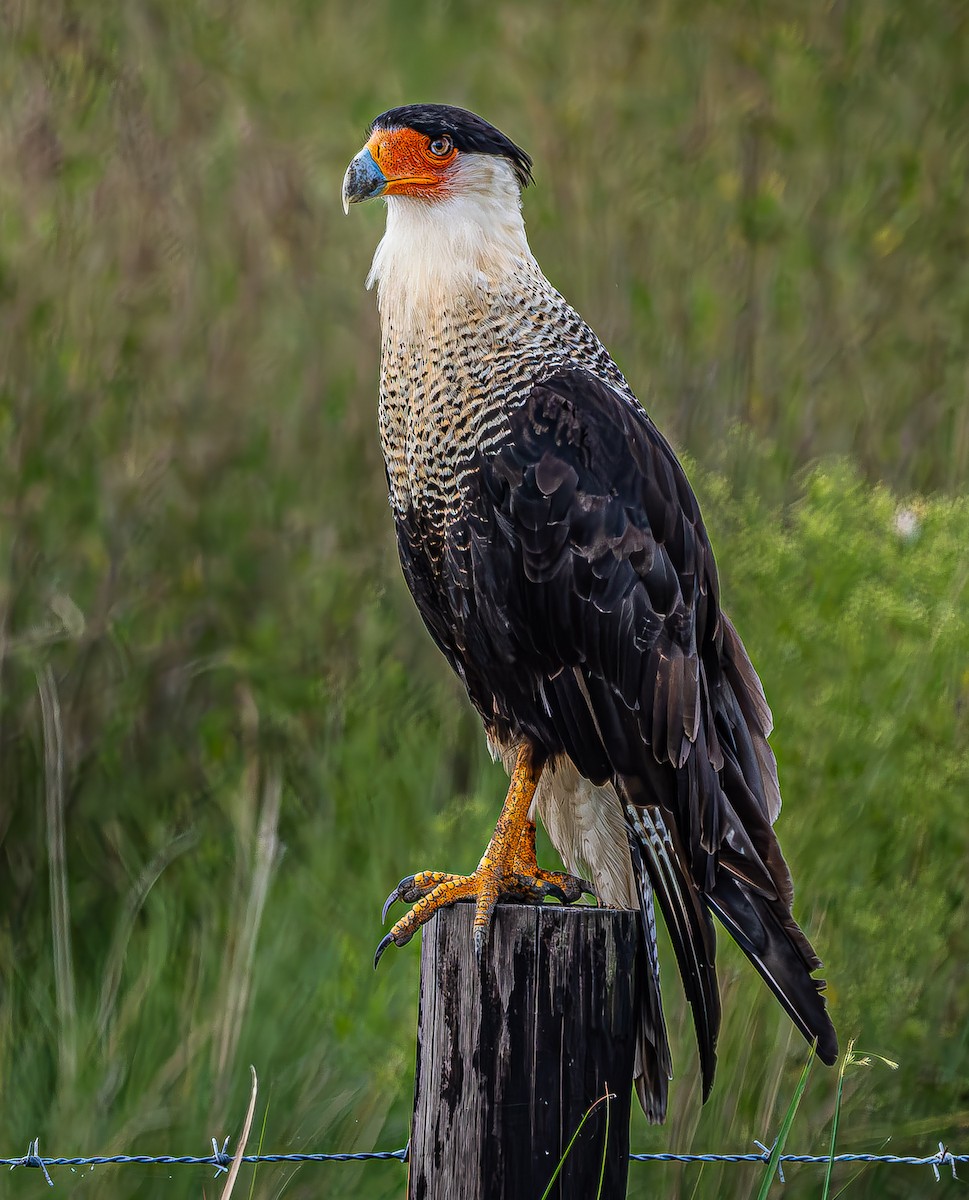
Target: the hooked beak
(363, 180)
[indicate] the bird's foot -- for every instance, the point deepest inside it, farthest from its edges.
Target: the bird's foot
(528, 883)
(507, 871)
(429, 891)
(571, 886)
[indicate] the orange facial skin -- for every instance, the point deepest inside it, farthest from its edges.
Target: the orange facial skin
(410, 166)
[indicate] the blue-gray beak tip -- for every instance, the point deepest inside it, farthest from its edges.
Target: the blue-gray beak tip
(363, 180)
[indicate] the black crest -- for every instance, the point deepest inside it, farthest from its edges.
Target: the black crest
(467, 130)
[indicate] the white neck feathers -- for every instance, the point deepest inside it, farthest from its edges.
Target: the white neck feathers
(436, 254)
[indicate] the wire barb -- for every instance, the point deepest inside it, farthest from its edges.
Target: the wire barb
(32, 1159)
(767, 1152)
(221, 1159)
(942, 1159)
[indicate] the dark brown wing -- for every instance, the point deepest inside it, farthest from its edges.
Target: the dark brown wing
(577, 596)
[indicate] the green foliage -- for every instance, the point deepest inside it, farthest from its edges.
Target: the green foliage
(210, 675)
(855, 609)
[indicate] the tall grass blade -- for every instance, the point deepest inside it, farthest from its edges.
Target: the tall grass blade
(241, 1148)
(846, 1058)
(605, 1149)
(260, 1146)
(851, 1059)
(241, 961)
(778, 1149)
(568, 1149)
(60, 914)
(125, 925)
(879, 1149)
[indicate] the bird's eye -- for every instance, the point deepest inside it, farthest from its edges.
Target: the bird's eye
(441, 146)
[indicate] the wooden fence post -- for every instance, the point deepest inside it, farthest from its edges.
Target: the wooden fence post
(511, 1055)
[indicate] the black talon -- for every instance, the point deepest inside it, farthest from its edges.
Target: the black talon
(384, 943)
(395, 895)
(582, 888)
(479, 945)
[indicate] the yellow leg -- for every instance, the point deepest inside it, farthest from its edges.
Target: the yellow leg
(507, 869)
(527, 864)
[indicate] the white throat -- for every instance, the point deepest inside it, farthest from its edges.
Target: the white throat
(437, 254)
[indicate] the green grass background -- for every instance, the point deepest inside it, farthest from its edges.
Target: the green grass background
(223, 732)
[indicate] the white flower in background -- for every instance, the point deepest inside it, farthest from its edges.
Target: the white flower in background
(907, 524)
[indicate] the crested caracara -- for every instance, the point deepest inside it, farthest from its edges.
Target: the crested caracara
(557, 555)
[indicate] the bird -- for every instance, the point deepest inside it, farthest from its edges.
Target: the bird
(558, 558)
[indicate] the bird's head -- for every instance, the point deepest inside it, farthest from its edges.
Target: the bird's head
(453, 185)
(433, 152)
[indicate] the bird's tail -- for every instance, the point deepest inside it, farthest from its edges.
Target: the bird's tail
(753, 893)
(770, 937)
(719, 854)
(659, 865)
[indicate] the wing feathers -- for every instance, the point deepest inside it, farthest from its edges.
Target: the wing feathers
(578, 600)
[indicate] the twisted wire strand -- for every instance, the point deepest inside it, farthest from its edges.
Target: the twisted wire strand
(222, 1160)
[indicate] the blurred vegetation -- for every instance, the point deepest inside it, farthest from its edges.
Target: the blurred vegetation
(223, 733)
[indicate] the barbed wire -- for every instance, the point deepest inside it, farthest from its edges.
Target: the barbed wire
(942, 1158)
(221, 1159)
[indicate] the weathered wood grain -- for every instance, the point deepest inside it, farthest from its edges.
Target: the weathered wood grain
(512, 1054)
